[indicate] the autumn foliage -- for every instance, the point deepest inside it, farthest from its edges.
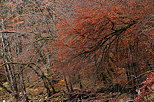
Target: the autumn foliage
(69, 50)
(108, 37)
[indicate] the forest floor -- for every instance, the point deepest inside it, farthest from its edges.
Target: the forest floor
(115, 93)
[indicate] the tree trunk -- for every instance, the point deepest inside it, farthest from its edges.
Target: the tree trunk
(9, 69)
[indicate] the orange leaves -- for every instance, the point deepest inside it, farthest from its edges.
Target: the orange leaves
(97, 31)
(14, 24)
(64, 23)
(10, 4)
(10, 19)
(131, 2)
(92, 23)
(13, 21)
(127, 41)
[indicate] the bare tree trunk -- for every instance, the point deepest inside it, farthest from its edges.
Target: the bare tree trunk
(18, 49)
(66, 83)
(9, 69)
(80, 83)
(70, 83)
(46, 81)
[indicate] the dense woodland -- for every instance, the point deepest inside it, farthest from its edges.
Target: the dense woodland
(76, 50)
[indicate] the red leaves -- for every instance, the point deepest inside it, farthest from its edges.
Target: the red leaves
(149, 81)
(100, 30)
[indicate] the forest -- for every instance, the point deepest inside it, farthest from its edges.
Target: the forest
(76, 51)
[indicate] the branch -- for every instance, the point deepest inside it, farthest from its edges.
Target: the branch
(7, 31)
(3, 64)
(105, 39)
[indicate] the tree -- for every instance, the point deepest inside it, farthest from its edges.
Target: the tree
(91, 46)
(109, 35)
(19, 41)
